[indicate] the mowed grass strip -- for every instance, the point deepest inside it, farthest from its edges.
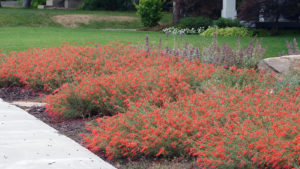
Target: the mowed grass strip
(46, 18)
(23, 38)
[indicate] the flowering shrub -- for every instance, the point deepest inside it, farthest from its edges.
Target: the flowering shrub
(214, 53)
(178, 31)
(226, 129)
(241, 57)
(153, 103)
(292, 48)
(290, 80)
(153, 77)
(48, 69)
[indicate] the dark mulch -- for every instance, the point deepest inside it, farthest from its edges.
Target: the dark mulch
(18, 93)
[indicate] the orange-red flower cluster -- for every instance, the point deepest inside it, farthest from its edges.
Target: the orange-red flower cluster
(131, 78)
(221, 129)
(159, 105)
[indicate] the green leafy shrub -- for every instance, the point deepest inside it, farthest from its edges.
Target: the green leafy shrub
(227, 22)
(35, 3)
(195, 22)
(107, 4)
(234, 31)
(90, 5)
(261, 32)
(150, 11)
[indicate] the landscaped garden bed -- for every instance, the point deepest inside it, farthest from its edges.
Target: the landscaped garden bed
(144, 102)
(71, 128)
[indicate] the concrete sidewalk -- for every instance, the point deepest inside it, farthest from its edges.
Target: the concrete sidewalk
(28, 143)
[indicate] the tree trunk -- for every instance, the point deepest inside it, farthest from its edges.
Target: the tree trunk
(26, 3)
(176, 11)
(276, 27)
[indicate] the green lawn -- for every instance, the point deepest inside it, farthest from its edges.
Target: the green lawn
(42, 18)
(21, 29)
(22, 38)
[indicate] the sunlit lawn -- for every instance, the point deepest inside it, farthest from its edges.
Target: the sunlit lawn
(22, 38)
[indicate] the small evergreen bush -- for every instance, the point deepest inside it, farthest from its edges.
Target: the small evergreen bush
(150, 11)
(195, 22)
(227, 22)
(233, 31)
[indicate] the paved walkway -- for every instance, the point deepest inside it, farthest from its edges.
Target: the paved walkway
(28, 143)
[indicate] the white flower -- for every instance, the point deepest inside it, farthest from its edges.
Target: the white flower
(176, 31)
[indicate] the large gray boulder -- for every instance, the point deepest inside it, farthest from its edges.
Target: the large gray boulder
(280, 65)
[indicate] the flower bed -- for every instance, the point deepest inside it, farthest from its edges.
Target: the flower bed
(221, 129)
(153, 104)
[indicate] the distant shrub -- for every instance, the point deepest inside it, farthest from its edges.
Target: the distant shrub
(90, 5)
(261, 32)
(227, 22)
(233, 31)
(150, 11)
(107, 4)
(35, 3)
(195, 22)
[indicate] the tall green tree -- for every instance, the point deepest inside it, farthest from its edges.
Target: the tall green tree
(205, 8)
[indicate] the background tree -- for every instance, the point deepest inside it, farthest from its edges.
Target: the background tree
(26, 3)
(184, 8)
(250, 10)
(177, 10)
(210, 9)
(293, 10)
